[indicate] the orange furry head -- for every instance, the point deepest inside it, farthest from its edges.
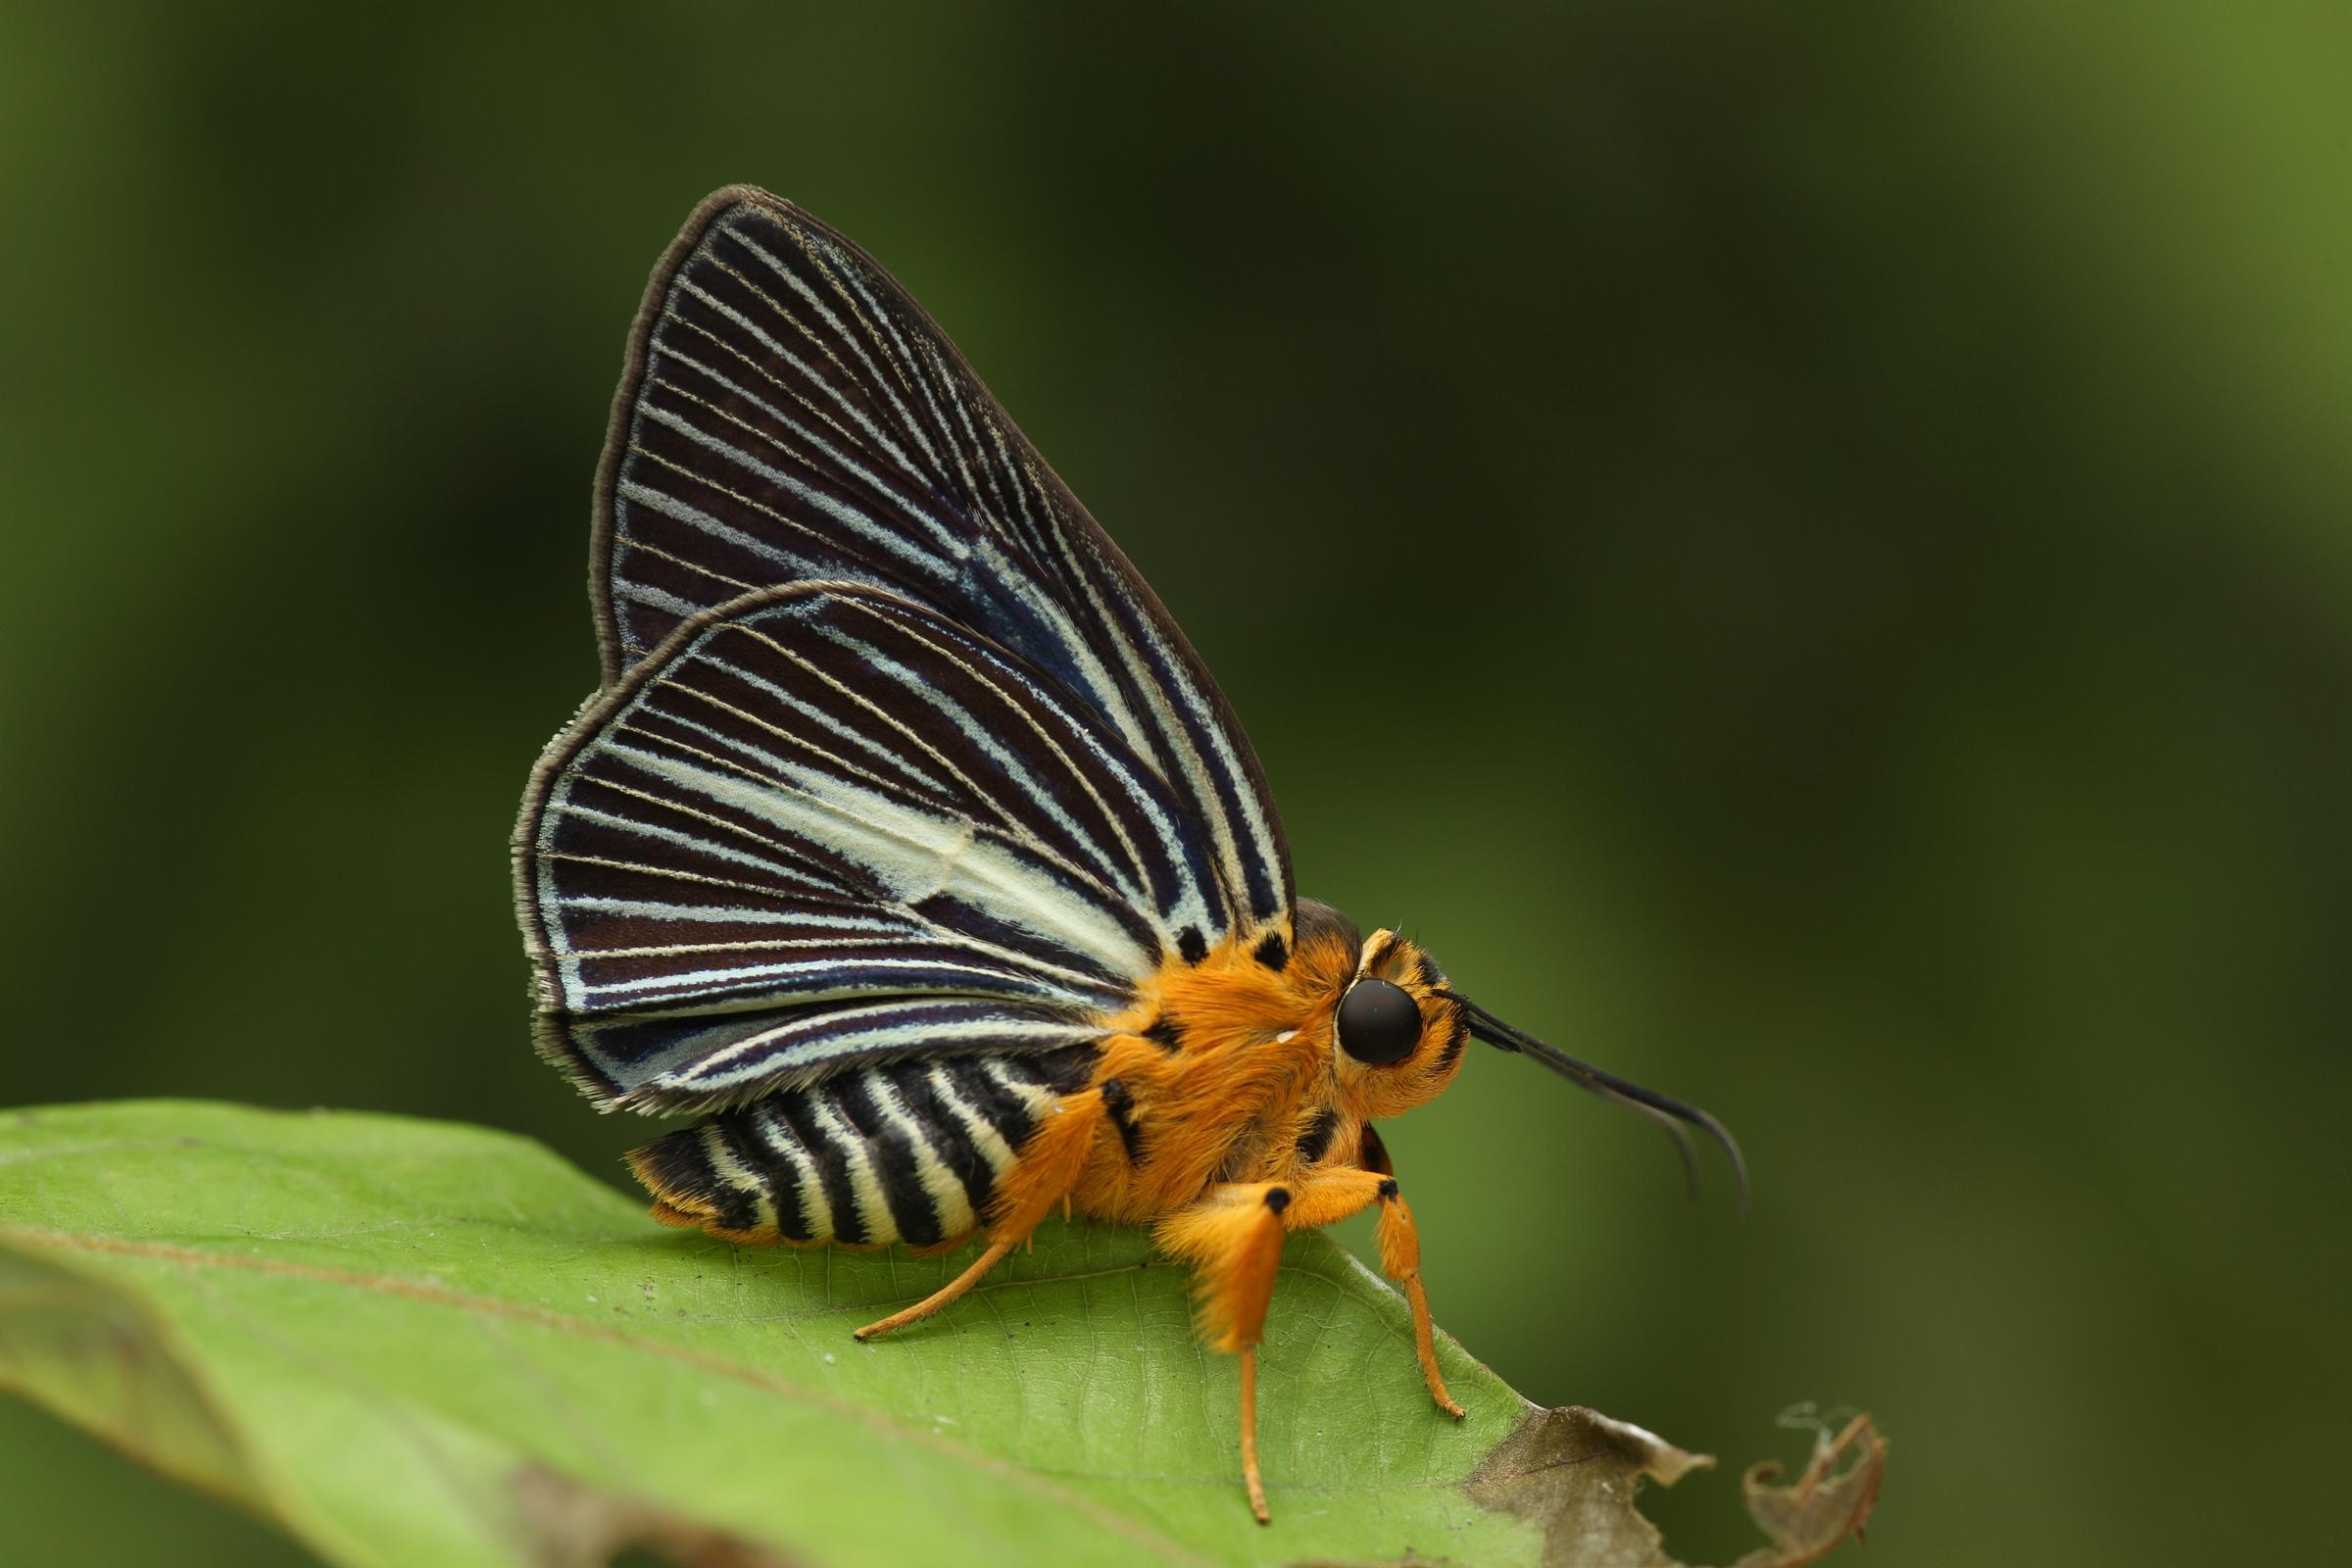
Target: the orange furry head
(1398, 1031)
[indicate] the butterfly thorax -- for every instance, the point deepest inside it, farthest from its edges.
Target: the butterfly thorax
(1228, 1069)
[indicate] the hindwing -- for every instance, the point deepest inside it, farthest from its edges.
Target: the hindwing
(826, 827)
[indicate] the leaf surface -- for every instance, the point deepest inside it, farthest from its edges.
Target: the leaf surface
(418, 1343)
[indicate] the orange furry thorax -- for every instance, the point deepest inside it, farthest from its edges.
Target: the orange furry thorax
(1230, 1073)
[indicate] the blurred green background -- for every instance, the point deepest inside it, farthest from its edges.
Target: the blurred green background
(1807, 558)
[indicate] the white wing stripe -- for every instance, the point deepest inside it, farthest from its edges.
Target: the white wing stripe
(874, 432)
(876, 377)
(832, 454)
(816, 500)
(722, 1068)
(914, 853)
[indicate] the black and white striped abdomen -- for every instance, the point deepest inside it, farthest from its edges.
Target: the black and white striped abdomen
(910, 1151)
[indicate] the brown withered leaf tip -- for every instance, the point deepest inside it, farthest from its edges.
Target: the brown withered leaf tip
(1574, 1474)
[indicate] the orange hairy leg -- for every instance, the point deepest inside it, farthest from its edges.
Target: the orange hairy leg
(1049, 1168)
(1329, 1195)
(1250, 1473)
(1401, 1260)
(944, 1295)
(1233, 1239)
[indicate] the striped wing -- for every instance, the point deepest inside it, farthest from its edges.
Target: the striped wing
(826, 827)
(789, 414)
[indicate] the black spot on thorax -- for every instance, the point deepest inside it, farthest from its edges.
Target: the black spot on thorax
(1315, 1142)
(1121, 1107)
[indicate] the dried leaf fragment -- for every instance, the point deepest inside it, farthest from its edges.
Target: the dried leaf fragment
(1831, 1501)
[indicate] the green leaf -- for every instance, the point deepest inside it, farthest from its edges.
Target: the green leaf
(414, 1343)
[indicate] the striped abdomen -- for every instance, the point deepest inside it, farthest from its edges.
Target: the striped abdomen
(909, 1152)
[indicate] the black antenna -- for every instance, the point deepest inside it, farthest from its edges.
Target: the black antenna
(1667, 1111)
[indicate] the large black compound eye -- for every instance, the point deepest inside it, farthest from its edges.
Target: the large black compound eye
(1379, 1023)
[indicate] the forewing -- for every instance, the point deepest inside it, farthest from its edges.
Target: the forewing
(827, 826)
(791, 414)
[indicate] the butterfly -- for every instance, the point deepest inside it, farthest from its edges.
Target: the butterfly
(911, 844)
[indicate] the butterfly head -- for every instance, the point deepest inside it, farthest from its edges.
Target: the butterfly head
(1398, 1031)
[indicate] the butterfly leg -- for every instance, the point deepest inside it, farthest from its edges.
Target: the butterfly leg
(1047, 1169)
(1329, 1195)
(1233, 1239)
(1401, 1260)
(944, 1295)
